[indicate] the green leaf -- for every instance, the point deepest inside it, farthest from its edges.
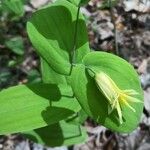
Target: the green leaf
(58, 134)
(79, 2)
(61, 133)
(52, 32)
(94, 102)
(50, 76)
(15, 6)
(5, 77)
(78, 118)
(16, 45)
(26, 107)
(34, 76)
(83, 2)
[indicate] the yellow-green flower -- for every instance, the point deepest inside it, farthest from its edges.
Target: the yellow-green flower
(116, 97)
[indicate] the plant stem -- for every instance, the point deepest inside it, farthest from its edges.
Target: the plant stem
(115, 30)
(75, 37)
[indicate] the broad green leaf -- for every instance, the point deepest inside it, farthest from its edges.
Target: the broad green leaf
(58, 134)
(52, 32)
(94, 102)
(16, 45)
(26, 107)
(50, 76)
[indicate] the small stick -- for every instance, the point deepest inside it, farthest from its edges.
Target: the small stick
(115, 29)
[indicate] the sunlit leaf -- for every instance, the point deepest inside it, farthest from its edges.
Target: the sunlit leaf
(26, 107)
(58, 134)
(52, 32)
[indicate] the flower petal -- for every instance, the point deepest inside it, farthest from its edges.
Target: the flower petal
(106, 85)
(128, 105)
(119, 113)
(133, 99)
(130, 92)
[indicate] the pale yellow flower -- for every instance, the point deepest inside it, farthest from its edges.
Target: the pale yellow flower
(115, 96)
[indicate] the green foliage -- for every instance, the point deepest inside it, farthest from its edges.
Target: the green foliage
(84, 2)
(55, 36)
(26, 107)
(94, 102)
(67, 132)
(4, 76)
(58, 134)
(69, 91)
(50, 76)
(14, 6)
(16, 45)
(34, 76)
(78, 118)
(91, 99)
(79, 2)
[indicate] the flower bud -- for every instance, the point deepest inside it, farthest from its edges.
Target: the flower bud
(116, 97)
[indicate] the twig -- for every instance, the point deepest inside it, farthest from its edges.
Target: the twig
(115, 30)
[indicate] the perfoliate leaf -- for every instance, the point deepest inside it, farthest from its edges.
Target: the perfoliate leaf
(52, 32)
(95, 97)
(26, 107)
(58, 134)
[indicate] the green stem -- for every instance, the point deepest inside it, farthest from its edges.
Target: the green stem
(75, 37)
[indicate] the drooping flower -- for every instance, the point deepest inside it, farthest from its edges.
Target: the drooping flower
(115, 96)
